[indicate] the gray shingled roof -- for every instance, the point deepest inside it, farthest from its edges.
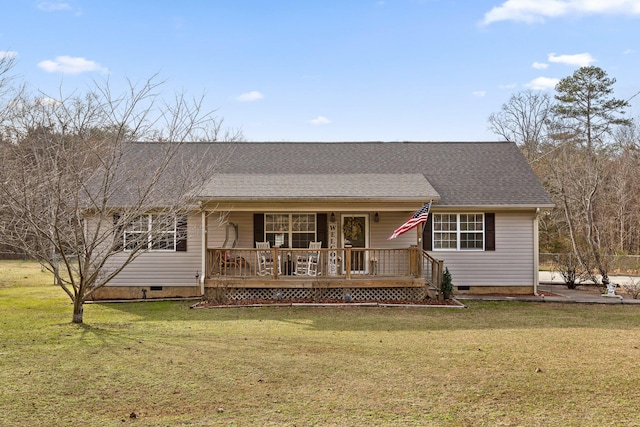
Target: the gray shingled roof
(319, 187)
(460, 173)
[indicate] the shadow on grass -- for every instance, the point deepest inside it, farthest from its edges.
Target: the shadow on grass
(105, 333)
(479, 315)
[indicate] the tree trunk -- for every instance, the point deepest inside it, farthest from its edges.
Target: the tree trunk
(78, 307)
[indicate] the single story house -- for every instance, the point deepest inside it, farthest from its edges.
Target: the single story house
(313, 220)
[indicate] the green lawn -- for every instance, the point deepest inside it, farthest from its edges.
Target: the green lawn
(492, 364)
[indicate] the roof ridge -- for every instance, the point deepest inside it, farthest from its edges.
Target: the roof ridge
(318, 142)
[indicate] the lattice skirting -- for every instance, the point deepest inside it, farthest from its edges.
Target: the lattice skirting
(318, 294)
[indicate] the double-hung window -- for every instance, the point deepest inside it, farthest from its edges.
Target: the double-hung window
(136, 233)
(293, 230)
(163, 232)
(459, 232)
(155, 232)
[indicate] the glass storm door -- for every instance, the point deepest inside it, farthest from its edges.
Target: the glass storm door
(355, 233)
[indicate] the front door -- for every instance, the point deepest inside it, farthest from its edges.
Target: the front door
(355, 232)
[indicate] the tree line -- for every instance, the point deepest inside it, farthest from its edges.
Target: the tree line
(586, 152)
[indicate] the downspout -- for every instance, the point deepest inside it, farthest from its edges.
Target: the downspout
(536, 253)
(203, 261)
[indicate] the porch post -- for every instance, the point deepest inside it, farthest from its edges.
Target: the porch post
(413, 261)
(347, 261)
(203, 262)
(536, 253)
(438, 278)
(275, 257)
(420, 248)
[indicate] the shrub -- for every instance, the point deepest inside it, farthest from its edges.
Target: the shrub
(447, 284)
(569, 268)
(632, 287)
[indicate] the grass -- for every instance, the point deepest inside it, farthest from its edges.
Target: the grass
(493, 364)
(24, 274)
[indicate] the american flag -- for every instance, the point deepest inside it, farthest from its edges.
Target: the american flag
(419, 217)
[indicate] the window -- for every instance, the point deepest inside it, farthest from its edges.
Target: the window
(163, 232)
(136, 233)
(156, 232)
(290, 230)
(458, 232)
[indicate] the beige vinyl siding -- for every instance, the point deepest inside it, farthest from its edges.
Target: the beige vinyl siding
(164, 268)
(511, 264)
(380, 231)
(216, 230)
(389, 221)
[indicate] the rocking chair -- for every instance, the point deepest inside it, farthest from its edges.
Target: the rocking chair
(307, 265)
(265, 261)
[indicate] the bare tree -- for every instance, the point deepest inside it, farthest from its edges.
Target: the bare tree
(84, 179)
(586, 155)
(7, 63)
(523, 120)
(574, 181)
(624, 188)
(7, 92)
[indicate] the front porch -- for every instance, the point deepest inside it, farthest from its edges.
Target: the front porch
(358, 274)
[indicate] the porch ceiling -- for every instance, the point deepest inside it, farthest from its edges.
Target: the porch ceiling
(409, 187)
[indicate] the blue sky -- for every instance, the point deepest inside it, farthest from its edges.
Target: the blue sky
(349, 70)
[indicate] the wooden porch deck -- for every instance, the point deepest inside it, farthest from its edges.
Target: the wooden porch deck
(330, 268)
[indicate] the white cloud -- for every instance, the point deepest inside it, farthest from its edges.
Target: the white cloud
(628, 51)
(320, 120)
(8, 54)
(254, 95)
(46, 101)
(479, 93)
(71, 65)
(508, 86)
(580, 59)
(531, 11)
(49, 6)
(540, 65)
(542, 83)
